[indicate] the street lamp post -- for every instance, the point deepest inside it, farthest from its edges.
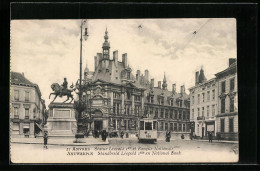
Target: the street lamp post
(80, 105)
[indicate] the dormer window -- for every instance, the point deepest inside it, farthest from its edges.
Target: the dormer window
(128, 75)
(171, 102)
(151, 99)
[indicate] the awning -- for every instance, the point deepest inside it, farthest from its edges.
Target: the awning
(39, 126)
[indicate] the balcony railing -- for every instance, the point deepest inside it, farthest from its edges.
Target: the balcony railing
(201, 118)
(26, 117)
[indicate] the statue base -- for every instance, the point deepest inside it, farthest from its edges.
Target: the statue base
(79, 138)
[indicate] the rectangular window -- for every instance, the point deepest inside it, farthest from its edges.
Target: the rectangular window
(232, 84)
(175, 127)
(26, 96)
(180, 114)
(222, 125)
(162, 101)
(162, 113)
(171, 102)
(213, 95)
(171, 114)
(151, 99)
(171, 126)
(192, 113)
(151, 111)
(223, 87)
(148, 125)
(156, 112)
(141, 125)
(175, 114)
(203, 97)
(166, 126)
(184, 115)
(223, 105)
(180, 127)
(161, 126)
(231, 104)
(193, 99)
(198, 111)
(155, 125)
(184, 127)
(26, 112)
(16, 95)
(166, 114)
(213, 110)
(208, 96)
(198, 98)
(15, 111)
(207, 111)
(231, 124)
(180, 103)
(137, 98)
(202, 111)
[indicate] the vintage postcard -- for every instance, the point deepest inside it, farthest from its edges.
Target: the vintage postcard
(124, 91)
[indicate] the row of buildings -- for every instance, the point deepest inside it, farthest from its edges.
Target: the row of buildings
(214, 102)
(117, 97)
(28, 111)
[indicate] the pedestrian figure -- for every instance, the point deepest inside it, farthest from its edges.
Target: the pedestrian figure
(210, 137)
(182, 136)
(45, 140)
(126, 135)
(168, 136)
(122, 134)
(104, 135)
(191, 136)
(219, 137)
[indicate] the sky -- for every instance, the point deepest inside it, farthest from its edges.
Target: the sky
(46, 51)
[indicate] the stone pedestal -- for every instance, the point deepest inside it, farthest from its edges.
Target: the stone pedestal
(61, 120)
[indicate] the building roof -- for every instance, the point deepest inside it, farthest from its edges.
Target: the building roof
(232, 67)
(19, 79)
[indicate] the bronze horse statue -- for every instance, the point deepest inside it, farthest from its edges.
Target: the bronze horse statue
(57, 91)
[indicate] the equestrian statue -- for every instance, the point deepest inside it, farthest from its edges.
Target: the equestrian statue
(62, 90)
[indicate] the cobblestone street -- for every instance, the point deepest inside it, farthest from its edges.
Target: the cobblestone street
(176, 151)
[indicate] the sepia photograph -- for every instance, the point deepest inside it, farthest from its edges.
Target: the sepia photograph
(157, 90)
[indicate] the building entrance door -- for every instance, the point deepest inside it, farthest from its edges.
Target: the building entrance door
(98, 125)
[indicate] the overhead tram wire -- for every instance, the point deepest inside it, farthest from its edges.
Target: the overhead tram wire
(195, 32)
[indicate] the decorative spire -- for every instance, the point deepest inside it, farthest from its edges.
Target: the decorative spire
(164, 85)
(106, 36)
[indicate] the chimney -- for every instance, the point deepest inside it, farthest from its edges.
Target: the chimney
(173, 88)
(196, 77)
(124, 59)
(96, 62)
(22, 73)
(231, 61)
(99, 56)
(182, 89)
(152, 83)
(146, 75)
(115, 57)
(159, 84)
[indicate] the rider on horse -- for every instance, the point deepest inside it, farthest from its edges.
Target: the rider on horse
(64, 86)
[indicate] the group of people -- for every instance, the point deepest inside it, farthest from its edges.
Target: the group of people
(97, 133)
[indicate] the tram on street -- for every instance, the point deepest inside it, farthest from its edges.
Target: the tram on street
(147, 130)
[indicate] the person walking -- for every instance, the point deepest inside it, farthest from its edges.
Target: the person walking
(45, 140)
(122, 134)
(210, 137)
(168, 136)
(104, 135)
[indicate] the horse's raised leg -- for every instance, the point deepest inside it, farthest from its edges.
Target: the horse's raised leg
(71, 99)
(50, 95)
(54, 98)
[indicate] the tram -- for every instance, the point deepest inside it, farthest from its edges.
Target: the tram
(147, 130)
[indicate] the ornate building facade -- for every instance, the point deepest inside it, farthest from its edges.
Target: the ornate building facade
(117, 98)
(27, 110)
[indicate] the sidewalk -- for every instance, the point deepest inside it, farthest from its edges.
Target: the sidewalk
(67, 141)
(216, 141)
